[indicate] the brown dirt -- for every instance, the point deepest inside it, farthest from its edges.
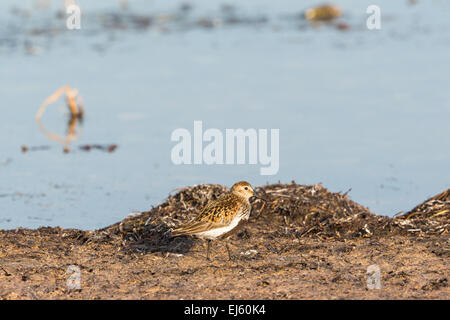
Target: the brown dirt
(304, 243)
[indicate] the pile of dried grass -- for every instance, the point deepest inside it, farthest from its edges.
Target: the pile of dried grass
(314, 211)
(291, 210)
(430, 217)
(150, 231)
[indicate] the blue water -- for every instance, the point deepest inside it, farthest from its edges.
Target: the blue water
(359, 109)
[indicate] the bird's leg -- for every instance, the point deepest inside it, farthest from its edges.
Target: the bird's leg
(207, 250)
(229, 253)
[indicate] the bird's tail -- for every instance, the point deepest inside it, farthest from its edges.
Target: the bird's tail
(191, 228)
(178, 232)
(182, 231)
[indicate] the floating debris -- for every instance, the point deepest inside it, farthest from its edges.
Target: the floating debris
(25, 148)
(75, 106)
(31, 49)
(209, 23)
(325, 12)
(183, 18)
(342, 26)
(76, 109)
(87, 147)
(107, 148)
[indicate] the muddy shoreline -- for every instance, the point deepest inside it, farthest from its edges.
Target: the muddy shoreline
(305, 243)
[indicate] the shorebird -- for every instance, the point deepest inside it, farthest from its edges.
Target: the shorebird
(221, 217)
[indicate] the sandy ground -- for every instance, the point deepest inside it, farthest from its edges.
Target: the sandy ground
(272, 260)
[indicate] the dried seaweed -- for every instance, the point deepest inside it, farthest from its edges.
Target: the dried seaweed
(430, 217)
(314, 211)
(290, 210)
(151, 230)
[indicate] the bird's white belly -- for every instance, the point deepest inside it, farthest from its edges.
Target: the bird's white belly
(217, 232)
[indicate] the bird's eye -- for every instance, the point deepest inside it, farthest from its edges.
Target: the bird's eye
(246, 188)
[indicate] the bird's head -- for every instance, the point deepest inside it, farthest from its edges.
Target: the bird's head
(243, 189)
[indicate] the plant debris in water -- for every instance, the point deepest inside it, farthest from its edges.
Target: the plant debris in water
(32, 29)
(76, 109)
(101, 147)
(75, 106)
(325, 12)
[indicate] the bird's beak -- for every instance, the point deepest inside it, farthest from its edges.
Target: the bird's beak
(259, 197)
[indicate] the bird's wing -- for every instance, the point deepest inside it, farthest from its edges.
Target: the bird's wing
(216, 214)
(220, 211)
